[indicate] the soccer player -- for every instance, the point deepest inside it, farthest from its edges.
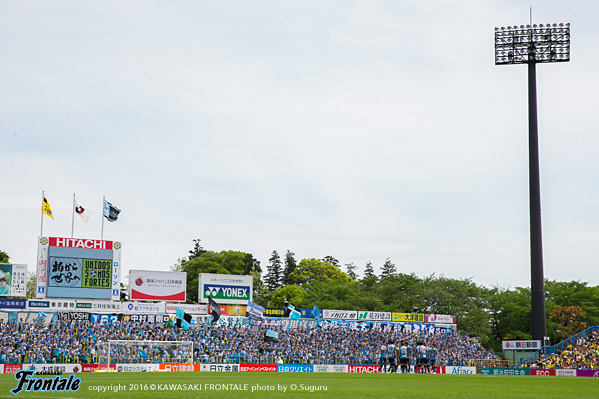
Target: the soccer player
(432, 359)
(421, 360)
(391, 356)
(383, 363)
(404, 357)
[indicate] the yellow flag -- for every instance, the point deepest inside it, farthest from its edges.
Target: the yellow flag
(46, 208)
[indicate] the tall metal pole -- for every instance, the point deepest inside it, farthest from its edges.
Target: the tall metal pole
(532, 44)
(537, 281)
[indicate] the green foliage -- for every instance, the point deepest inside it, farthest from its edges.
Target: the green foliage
(388, 269)
(292, 293)
(290, 265)
(351, 270)
(274, 275)
(310, 270)
(4, 258)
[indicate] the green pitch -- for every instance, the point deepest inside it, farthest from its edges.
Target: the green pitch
(312, 385)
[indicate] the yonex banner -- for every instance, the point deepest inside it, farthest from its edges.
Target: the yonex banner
(225, 288)
(294, 368)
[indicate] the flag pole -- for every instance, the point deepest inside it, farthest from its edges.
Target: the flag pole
(73, 217)
(42, 212)
(103, 201)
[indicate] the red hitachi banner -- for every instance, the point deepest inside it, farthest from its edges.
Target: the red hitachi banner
(363, 368)
(79, 243)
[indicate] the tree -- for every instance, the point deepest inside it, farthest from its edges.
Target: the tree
(388, 269)
(292, 293)
(351, 270)
(568, 320)
(290, 265)
(331, 260)
(31, 288)
(369, 271)
(197, 249)
(4, 258)
(274, 275)
(310, 270)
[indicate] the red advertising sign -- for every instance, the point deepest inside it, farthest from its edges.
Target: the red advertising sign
(13, 368)
(363, 368)
(80, 243)
(542, 372)
(270, 368)
(86, 368)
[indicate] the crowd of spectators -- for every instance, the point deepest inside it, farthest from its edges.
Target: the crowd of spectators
(583, 355)
(83, 342)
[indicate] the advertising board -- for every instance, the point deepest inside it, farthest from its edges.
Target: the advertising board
(340, 314)
(147, 285)
(502, 371)
(363, 368)
(521, 345)
(171, 308)
(440, 318)
(13, 280)
(140, 307)
(543, 372)
(455, 370)
(408, 317)
(294, 368)
(330, 368)
(78, 268)
(375, 316)
(225, 288)
(175, 367)
(219, 368)
(261, 368)
(135, 368)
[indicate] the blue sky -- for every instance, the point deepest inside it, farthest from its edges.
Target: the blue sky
(364, 130)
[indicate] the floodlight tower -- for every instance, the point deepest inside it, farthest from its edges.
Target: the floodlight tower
(531, 45)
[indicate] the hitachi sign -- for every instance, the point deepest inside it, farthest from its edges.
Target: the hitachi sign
(80, 243)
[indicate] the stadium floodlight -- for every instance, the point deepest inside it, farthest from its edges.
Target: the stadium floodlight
(533, 44)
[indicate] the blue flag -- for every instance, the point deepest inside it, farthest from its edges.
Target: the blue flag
(42, 314)
(91, 333)
(316, 313)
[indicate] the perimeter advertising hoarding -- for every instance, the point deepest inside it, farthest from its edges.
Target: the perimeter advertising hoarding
(219, 368)
(137, 307)
(521, 345)
(340, 314)
(187, 308)
(78, 268)
(225, 288)
(13, 279)
(408, 317)
(378, 316)
(146, 285)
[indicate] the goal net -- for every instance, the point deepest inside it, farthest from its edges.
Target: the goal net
(141, 351)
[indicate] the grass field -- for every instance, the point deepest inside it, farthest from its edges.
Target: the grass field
(341, 385)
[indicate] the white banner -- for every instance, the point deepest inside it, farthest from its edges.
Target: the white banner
(51, 304)
(225, 368)
(330, 368)
(127, 368)
(378, 316)
(440, 318)
(138, 307)
(521, 345)
(146, 285)
(191, 309)
(340, 314)
(98, 306)
(54, 368)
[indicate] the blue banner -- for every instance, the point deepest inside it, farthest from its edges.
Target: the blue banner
(9, 303)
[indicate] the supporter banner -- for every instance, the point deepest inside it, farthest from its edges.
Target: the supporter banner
(580, 373)
(229, 310)
(455, 370)
(521, 345)
(565, 373)
(294, 368)
(73, 316)
(225, 288)
(99, 306)
(104, 319)
(379, 316)
(305, 312)
(274, 312)
(408, 317)
(542, 372)
(440, 318)
(363, 368)
(137, 307)
(13, 280)
(145, 318)
(330, 368)
(190, 309)
(224, 368)
(268, 368)
(175, 367)
(340, 314)
(496, 371)
(10, 303)
(146, 285)
(142, 367)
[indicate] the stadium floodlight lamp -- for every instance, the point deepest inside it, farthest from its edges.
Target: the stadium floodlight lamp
(539, 44)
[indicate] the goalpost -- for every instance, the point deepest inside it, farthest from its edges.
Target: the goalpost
(142, 351)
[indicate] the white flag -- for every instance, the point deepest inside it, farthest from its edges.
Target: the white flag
(82, 211)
